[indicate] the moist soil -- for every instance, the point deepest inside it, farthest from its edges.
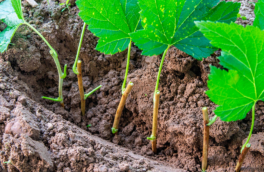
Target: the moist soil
(41, 136)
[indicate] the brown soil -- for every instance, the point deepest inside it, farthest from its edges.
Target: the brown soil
(39, 135)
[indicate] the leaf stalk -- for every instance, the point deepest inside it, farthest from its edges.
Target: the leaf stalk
(74, 67)
(251, 129)
(91, 92)
(160, 68)
(212, 120)
(156, 96)
(56, 60)
(127, 66)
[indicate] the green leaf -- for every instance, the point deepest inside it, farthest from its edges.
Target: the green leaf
(9, 17)
(17, 6)
(244, 18)
(114, 130)
(242, 86)
(228, 89)
(259, 13)
(111, 21)
(151, 138)
(171, 22)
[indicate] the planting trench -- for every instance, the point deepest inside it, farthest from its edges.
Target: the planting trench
(39, 135)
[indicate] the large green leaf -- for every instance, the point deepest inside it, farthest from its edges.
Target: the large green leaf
(9, 17)
(259, 12)
(111, 21)
(238, 89)
(17, 6)
(171, 22)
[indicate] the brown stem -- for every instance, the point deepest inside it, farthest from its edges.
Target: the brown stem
(62, 104)
(121, 107)
(242, 157)
(154, 146)
(80, 83)
(205, 139)
(155, 121)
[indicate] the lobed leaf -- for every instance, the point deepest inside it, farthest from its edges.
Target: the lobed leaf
(171, 22)
(9, 17)
(238, 89)
(259, 13)
(231, 92)
(111, 21)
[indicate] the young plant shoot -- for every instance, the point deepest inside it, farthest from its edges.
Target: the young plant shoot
(78, 71)
(171, 23)
(11, 14)
(67, 5)
(112, 21)
(237, 90)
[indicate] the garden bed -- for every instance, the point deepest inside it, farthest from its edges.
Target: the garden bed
(39, 135)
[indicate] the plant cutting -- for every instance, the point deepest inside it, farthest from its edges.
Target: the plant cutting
(171, 23)
(205, 138)
(237, 90)
(78, 71)
(112, 21)
(11, 14)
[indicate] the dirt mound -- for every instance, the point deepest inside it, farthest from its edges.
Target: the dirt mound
(41, 134)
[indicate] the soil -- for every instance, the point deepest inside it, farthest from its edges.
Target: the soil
(39, 135)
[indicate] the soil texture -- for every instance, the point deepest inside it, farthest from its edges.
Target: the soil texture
(40, 136)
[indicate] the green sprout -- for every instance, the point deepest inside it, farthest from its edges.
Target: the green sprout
(67, 5)
(12, 15)
(8, 162)
(89, 125)
(242, 17)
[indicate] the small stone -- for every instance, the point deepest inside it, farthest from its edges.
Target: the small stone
(8, 127)
(50, 126)
(91, 151)
(22, 99)
(200, 103)
(2, 86)
(103, 168)
(103, 152)
(4, 114)
(123, 167)
(128, 129)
